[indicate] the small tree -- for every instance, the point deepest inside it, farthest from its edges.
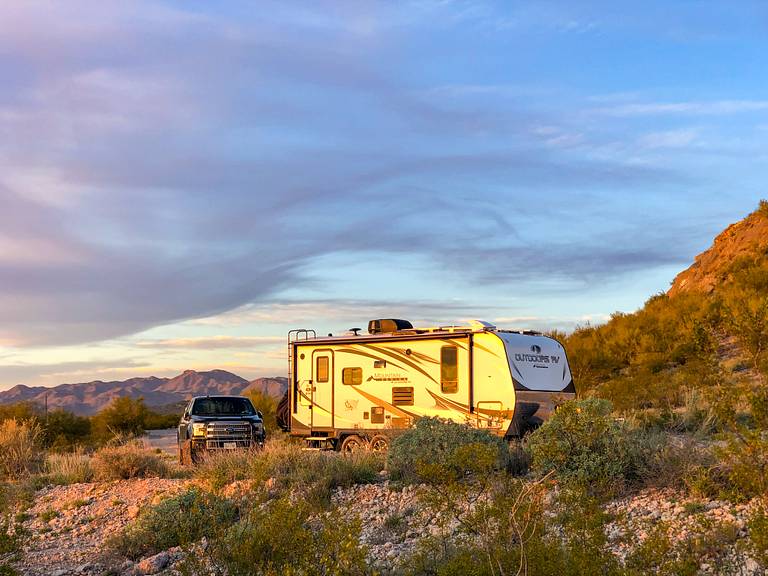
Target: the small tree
(125, 416)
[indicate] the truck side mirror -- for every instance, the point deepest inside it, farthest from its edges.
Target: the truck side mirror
(259, 414)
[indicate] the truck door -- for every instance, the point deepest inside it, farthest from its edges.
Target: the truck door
(322, 389)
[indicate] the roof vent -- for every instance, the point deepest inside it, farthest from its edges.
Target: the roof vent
(388, 325)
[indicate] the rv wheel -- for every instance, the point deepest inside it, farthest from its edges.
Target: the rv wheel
(379, 443)
(352, 443)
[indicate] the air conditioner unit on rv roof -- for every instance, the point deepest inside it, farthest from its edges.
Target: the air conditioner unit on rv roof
(388, 325)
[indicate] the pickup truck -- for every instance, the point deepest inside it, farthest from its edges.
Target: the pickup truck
(212, 423)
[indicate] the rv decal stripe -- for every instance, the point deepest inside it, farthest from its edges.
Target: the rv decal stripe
(359, 353)
(406, 361)
(462, 408)
(303, 395)
(486, 349)
(416, 356)
(379, 401)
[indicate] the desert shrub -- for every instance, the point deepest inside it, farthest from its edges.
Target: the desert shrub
(673, 463)
(757, 544)
(176, 521)
(441, 444)
(584, 446)
(286, 537)
(157, 421)
(511, 531)
(68, 468)
(63, 430)
(123, 417)
(288, 468)
(127, 461)
(267, 405)
(19, 447)
(659, 554)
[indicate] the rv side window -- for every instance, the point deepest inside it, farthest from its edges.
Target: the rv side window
(352, 376)
(449, 369)
(321, 369)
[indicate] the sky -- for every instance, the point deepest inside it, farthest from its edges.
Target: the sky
(181, 183)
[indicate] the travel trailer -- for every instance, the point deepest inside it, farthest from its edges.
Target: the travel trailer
(358, 389)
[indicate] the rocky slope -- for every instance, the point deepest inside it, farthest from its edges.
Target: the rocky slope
(745, 238)
(90, 397)
(70, 525)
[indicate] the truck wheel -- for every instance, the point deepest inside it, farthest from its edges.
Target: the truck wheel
(185, 453)
(379, 443)
(352, 443)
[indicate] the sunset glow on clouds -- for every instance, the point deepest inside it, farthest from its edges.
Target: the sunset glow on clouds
(183, 182)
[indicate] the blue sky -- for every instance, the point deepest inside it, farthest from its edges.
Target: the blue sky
(181, 182)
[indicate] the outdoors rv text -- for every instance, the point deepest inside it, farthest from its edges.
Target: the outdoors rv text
(348, 390)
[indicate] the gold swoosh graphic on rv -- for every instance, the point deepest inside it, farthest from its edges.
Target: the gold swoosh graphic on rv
(312, 402)
(404, 360)
(359, 353)
(390, 407)
(486, 349)
(416, 355)
(464, 408)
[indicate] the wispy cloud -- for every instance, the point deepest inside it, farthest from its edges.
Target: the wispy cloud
(693, 108)
(211, 342)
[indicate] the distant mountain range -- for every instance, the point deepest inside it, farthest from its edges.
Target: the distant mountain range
(89, 397)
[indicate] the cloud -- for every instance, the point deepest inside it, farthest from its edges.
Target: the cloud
(693, 108)
(159, 164)
(212, 342)
(669, 139)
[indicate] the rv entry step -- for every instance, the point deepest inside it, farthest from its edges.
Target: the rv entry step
(318, 443)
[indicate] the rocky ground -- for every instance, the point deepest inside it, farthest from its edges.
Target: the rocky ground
(69, 525)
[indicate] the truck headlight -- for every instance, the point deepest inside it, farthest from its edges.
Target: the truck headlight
(198, 429)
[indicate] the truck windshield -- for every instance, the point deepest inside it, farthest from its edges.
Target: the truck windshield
(223, 407)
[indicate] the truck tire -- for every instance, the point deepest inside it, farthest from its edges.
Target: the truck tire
(185, 453)
(283, 413)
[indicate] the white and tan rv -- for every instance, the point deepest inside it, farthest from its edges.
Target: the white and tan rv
(345, 391)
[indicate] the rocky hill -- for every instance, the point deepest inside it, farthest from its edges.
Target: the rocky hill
(744, 238)
(89, 397)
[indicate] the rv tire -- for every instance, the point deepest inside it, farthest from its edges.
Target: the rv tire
(379, 443)
(352, 443)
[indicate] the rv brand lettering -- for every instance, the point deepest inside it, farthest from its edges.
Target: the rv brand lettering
(388, 377)
(540, 358)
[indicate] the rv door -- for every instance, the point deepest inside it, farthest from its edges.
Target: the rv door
(322, 389)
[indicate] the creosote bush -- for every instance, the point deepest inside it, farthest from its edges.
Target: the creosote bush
(584, 446)
(286, 536)
(127, 461)
(176, 521)
(289, 469)
(453, 449)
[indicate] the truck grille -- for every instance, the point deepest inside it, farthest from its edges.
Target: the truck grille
(219, 433)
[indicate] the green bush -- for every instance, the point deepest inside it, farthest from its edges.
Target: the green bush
(584, 446)
(177, 521)
(758, 536)
(511, 531)
(127, 461)
(286, 468)
(123, 417)
(286, 537)
(64, 430)
(455, 450)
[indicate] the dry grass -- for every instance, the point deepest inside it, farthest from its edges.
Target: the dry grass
(127, 461)
(285, 468)
(68, 468)
(19, 448)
